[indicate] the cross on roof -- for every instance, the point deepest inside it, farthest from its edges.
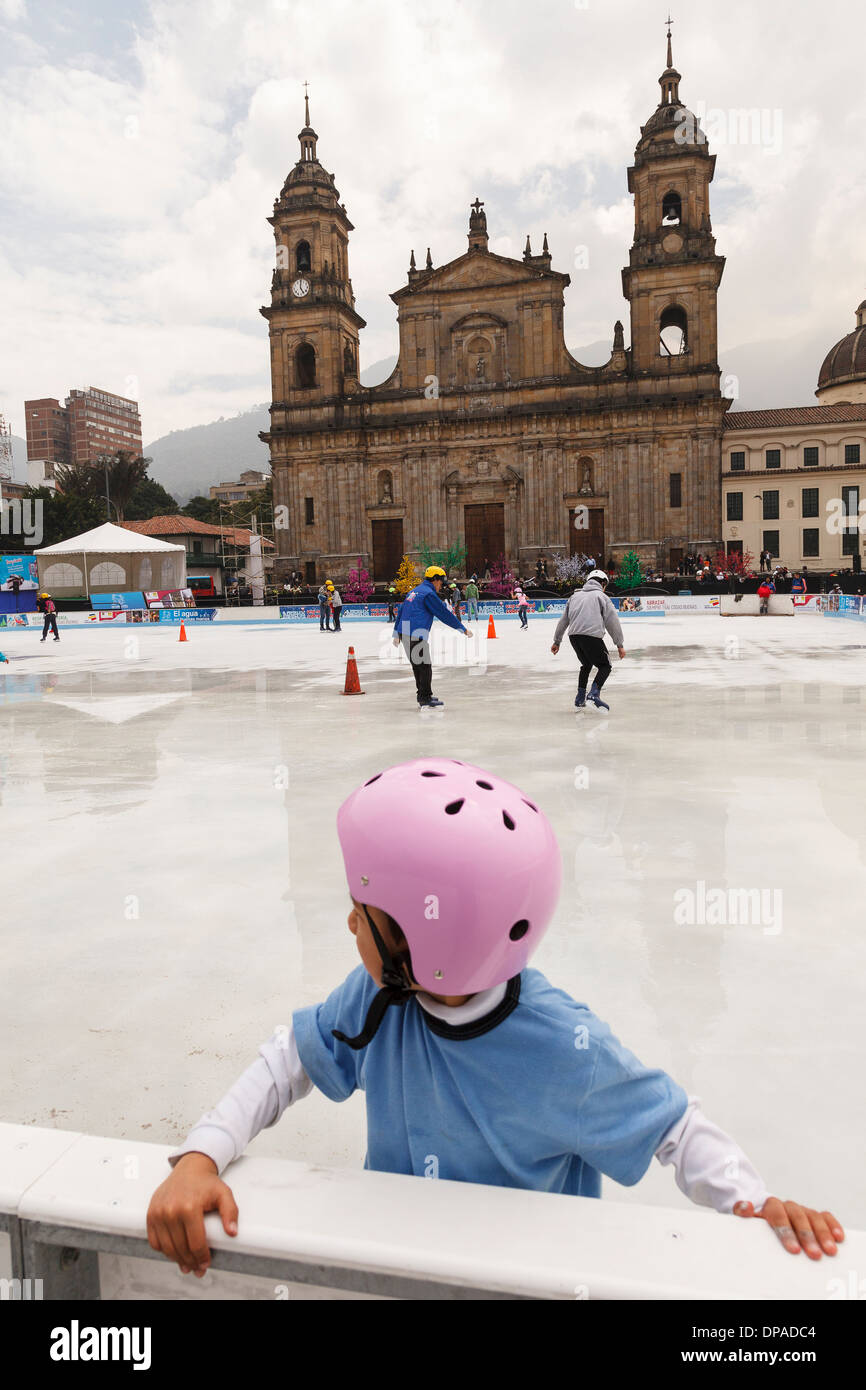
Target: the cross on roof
(669, 22)
(477, 205)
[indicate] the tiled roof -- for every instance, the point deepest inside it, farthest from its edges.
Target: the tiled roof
(795, 415)
(179, 525)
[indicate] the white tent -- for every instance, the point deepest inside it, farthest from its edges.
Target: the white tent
(110, 559)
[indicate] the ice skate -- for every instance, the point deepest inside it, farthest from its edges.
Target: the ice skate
(580, 700)
(595, 698)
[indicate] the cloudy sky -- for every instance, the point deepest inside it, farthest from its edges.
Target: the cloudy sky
(144, 143)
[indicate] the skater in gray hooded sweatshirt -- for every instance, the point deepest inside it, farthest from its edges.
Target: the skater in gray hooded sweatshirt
(587, 614)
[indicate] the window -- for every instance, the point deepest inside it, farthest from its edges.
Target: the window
(673, 332)
(852, 453)
(738, 461)
(302, 256)
(810, 501)
(771, 543)
(773, 458)
(309, 572)
(305, 365)
(810, 457)
(196, 547)
(735, 506)
(676, 489)
(309, 511)
(851, 506)
(672, 211)
(811, 536)
(771, 506)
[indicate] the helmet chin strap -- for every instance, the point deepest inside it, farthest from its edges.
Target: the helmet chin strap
(395, 989)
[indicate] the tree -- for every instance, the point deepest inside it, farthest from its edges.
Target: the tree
(735, 562)
(150, 499)
(407, 577)
(571, 569)
(125, 473)
(502, 579)
(359, 586)
(63, 515)
(453, 558)
(630, 575)
(203, 509)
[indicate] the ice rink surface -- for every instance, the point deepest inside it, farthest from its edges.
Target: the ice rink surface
(174, 889)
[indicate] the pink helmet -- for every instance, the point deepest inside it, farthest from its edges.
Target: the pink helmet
(464, 863)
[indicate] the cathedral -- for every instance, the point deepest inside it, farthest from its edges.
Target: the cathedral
(488, 431)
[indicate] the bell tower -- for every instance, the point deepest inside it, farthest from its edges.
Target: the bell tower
(313, 323)
(673, 275)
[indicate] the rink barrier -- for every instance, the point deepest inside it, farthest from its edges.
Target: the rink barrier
(843, 606)
(749, 606)
(66, 1198)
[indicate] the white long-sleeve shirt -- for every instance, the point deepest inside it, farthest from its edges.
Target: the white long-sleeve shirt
(710, 1168)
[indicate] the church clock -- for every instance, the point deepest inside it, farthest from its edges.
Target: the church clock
(300, 287)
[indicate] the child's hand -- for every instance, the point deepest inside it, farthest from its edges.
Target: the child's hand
(175, 1217)
(798, 1228)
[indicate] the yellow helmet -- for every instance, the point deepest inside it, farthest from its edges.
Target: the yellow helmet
(434, 572)
(328, 584)
(44, 595)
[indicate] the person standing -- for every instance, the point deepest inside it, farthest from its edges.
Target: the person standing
(456, 599)
(392, 604)
(324, 609)
(798, 583)
(336, 605)
(414, 619)
(45, 604)
(471, 595)
(522, 608)
(588, 614)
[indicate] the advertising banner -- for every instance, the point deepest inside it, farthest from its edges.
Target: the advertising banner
(22, 565)
(132, 599)
(169, 598)
(187, 615)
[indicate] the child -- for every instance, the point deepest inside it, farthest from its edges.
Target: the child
(522, 607)
(462, 1051)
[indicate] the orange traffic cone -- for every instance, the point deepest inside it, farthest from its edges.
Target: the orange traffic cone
(182, 637)
(353, 685)
(491, 630)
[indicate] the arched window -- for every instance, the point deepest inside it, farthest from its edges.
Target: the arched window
(62, 576)
(108, 573)
(672, 210)
(302, 256)
(305, 365)
(673, 332)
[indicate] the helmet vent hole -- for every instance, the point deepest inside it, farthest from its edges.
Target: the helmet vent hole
(373, 779)
(519, 929)
(458, 762)
(454, 806)
(509, 823)
(432, 774)
(488, 786)
(530, 805)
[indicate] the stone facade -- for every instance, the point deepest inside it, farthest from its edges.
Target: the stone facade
(488, 429)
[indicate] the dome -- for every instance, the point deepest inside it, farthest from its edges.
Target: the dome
(845, 363)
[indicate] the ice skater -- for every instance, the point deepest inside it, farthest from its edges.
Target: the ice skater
(45, 605)
(324, 609)
(522, 607)
(414, 619)
(764, 592)
(588, 613)
(336, 604)
(504, 1077)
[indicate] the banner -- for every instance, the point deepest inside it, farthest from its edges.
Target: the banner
(22, 565)
(169, 598)
(187, 615)
(132, 599)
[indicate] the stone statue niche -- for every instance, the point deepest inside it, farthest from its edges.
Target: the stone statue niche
(585, 489)
(348, 360)
(385, 489)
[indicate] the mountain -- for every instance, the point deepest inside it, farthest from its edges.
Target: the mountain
(189, 462)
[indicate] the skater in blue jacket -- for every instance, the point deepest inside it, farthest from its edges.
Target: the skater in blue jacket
(414, 619)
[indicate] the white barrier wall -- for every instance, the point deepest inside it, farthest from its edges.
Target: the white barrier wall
(381, 1234)
(749, 605)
